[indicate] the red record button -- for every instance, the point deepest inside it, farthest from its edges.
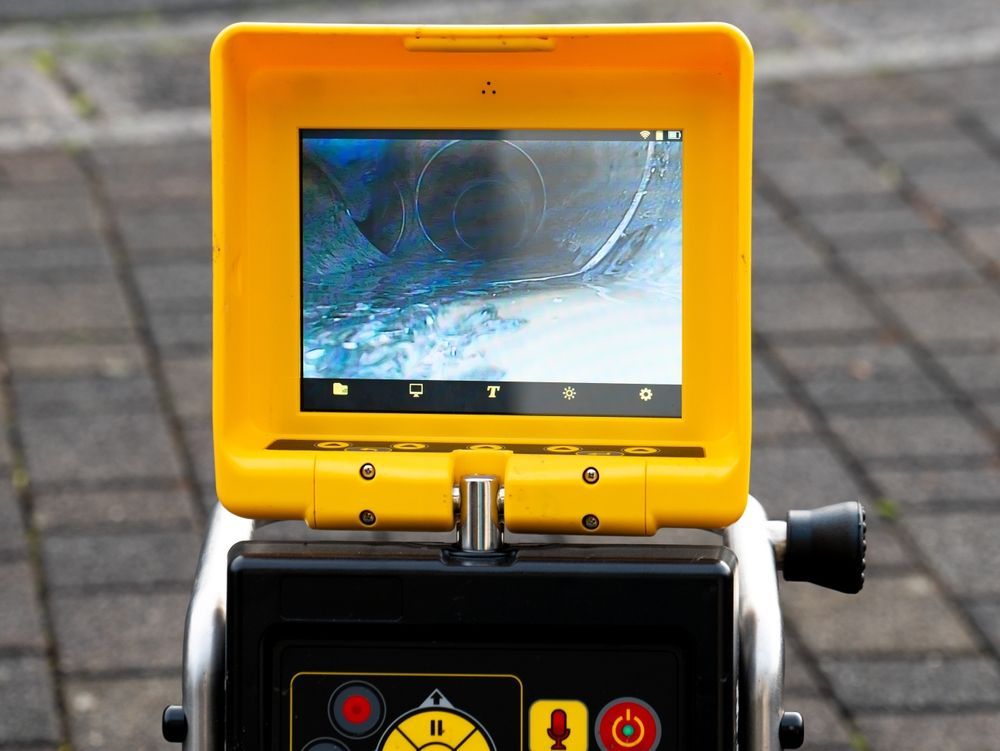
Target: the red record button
(356, 709)
(627, 724)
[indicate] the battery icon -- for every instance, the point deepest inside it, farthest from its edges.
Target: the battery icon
(673, 135)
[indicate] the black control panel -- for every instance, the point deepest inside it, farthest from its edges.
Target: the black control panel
(338, 647)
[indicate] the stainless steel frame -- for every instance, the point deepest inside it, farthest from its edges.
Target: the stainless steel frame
(205, 633)
(761, 640)
(753, 539)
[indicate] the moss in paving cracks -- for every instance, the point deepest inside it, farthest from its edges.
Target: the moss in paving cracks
(45, 61)
(887, 509)
(84, 105)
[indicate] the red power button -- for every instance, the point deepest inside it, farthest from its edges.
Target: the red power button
(627, 724)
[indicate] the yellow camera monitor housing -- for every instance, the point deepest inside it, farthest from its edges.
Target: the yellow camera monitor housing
(518, 251)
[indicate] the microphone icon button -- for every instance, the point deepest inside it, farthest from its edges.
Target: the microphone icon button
(558, 730)
(558, 725)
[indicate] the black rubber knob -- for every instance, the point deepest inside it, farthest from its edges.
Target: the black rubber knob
(827, 547)
(791, 730)
(175, 724)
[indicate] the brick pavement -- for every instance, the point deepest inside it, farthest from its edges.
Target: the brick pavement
(877, 370)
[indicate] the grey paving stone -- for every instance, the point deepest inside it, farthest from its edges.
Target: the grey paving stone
(120, 358)
(111, 632)
(931, 682)
(805, 475)
(969, 83)
(808, 307)
(35, 264)
(42, 219)
(84, 395)
(943, 433)
(986, 614)
(934, 149)
(28, 701)
(182, 333)
(124, 163)
(860, 360)
(786, 125)
(847, 225)
(164, 286)
(882, 22)
(810, 181)
(891, 614)
(198, 438)
(61, 10)
(895, 117)
(992, 410)
(783, 256)
(30, 309)
(144, 79)
(776, 423)
(916, 486)
(962, 190)
(800, 679)
(962, 314)
(985, 241)
(190, 382)
(887, 553)
(858, 92)
(106, 510)
(976, 372)
(766, 219)
(932, 731)
(30, 95)
(45, 168)
(100, 447)
(182, 174)
(167, 229)
(169, 188)
(12, 538)
(20, 618)
(765, 384)
(794, 143)
(961, 547)
(905, 260)
(874, 375)
(103, 560)
(119, 714)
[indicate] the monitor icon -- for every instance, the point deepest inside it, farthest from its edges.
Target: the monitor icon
(340, 389)
(416, 390)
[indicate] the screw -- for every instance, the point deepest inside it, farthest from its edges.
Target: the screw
(590, 475)
(367, 517)
(591, 522)
(368, 471)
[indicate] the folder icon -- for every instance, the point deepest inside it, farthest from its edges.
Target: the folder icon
(339, 389)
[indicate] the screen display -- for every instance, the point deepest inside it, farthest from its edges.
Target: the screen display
(492, 272)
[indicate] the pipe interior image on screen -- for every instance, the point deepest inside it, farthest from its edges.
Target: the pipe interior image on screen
(491, 272)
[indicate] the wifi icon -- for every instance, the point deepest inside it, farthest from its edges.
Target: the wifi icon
(644, 134)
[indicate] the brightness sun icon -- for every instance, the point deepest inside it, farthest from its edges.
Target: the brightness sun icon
(645, 394)
(569, 393)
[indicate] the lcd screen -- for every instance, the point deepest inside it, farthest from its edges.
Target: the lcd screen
(493, 272)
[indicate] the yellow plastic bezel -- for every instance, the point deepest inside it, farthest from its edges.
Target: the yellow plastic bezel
(270, 80)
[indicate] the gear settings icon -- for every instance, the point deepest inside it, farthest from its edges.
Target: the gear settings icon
(645, 394)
